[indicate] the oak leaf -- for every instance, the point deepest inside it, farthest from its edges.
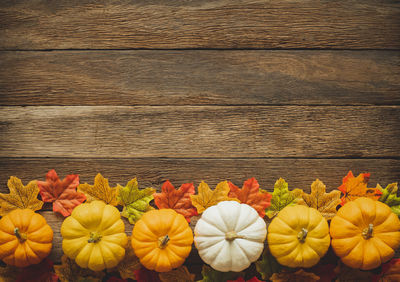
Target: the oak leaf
(69, 271)
(250, 194)
(145, 275)
(135, 201)
(62, 194)
(356, 187)
(282, 197)
(389, 197)
(100, 191)
(129, 264)
(207, 197)
(212, 275)
(268, 265)
(176, 199)
(318, 199)
(20, 196)
(180, 274)
(298, 276)
(42, 272)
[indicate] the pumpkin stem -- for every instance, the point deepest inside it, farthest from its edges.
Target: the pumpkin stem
(302, 235)
(367, 232)
(94, 237)
(163, 241)
(231, 235)
(21, 236)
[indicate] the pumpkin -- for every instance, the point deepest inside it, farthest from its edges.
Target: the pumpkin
(298, 236)
(230, 236)
(365, 233)
(25, 238)
(94, 236)
(162, 239)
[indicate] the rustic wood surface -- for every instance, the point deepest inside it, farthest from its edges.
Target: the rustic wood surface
(92, 24)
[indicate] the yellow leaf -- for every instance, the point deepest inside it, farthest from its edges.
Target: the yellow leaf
(69, 271)
(129, 264)
(207, 197)
(325, 203)
(180, 274)
(20, 197)
(100, 191)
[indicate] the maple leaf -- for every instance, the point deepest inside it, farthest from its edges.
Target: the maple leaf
(347, 274)
(20, 197)
(69, 271)
(389, 197)
(356, 187)
(241, 279)
(62, 194)
(42, 272)
(135, 201)
(268, 265)
(178, 200)
(8, 273)
(129, 264)
(180, 274)
(325, 203)
(207, 197)
(100, 191)
(145, 275)
(282, 197)
(298, 276)
(250, 194)
(212, 275)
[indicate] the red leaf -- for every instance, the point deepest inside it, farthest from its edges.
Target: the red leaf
(178, 200)
(62, 194)
(250, 194)
(42, 272)
(145, 275)
(390, 272)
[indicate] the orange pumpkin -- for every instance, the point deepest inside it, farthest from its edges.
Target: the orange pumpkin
(162, 239)
(365, 233)
(25, 238)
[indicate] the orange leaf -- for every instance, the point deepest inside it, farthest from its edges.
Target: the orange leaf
(250, 194)
(356, 187)
(178, 200)
(62, 194)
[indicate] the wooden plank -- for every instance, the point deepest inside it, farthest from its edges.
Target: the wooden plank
(200, 131)
(107, 24)
(202, 77)
(299, 173)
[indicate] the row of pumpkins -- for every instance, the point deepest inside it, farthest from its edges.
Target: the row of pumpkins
(229, 236)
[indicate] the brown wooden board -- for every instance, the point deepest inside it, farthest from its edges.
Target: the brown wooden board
(108, 24)
(200, 131)
(202, 77)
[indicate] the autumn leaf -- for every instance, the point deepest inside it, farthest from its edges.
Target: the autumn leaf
(282, 197)
(298, 276)
(180, 274)
(325, 272)
(135, 201)
(129, 264)
(62, 194)
(356, 187)
(100, 191)
(389, 197)
(390, 271)
(145, 275)
(241, 279)
(20, 197)
(42, 272)
(212, 275)
(268, 265)
(207, 197)
(347, 274)
(325, 203)
(116, 279)
(178, 200)
(250, 194)
(69, 271)
(8, 273)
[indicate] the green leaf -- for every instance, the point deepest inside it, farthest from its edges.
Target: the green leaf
(389, 197)
(135, 201)
(268, 265)
(282, 197)
(212, 275)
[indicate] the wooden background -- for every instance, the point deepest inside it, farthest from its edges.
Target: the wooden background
(195, 90)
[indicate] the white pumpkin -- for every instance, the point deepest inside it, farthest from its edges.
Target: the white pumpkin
(230, 236)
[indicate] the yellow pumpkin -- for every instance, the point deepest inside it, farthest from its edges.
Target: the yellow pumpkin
(365, 233)
(94, 236)
(25, 238)
(162, 239)
(298, 236)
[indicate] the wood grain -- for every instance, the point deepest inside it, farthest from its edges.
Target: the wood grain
(200, 131)
(202, 77)
(109, 24)
(299, 173)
